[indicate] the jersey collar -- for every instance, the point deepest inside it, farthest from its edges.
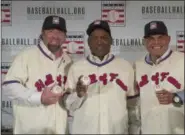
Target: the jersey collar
(166, 55)
(97, 62)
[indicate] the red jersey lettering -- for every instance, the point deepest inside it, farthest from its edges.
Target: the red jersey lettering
(164, 75)
(59, 80)
(155, 78)
(174, 82)
(121, 84)
(113, 76)
(144, 80)
(49, 80)
(103, 78)
(39, 85)
(93, 78)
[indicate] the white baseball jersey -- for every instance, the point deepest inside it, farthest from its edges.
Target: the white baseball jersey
(35, 68)
(104, 110)
(167, 74)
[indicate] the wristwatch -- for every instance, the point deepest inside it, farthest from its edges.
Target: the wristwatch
(177, 101)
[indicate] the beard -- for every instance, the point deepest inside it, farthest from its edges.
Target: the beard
(53, 48)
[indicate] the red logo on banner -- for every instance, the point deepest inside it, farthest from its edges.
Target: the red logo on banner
(4, 67)
(114, 12)
(74, 43)
(6, 12)
(180, 41)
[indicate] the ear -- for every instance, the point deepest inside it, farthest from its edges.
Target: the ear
(169, 39)
(65, 35)
(111, 40)
(42, 36)
(88, 41)
(144, 41)
(42, 32)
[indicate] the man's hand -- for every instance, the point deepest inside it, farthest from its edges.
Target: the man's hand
(80, 88)
(165, 97)
(48, 97)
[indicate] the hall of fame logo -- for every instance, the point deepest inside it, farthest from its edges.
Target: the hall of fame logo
(114, 12)
(4, 67)
(180, 41)
(6, 13)
(74, 44)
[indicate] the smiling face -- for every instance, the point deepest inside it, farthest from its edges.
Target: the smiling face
(53, 39)
(157, 45)
(100, 43)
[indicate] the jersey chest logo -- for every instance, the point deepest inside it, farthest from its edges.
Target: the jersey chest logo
(61, 80)
(157, 78)
(105, 78)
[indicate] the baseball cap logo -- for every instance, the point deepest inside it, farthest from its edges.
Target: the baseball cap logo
(153, 25)
(55, 20)
(97, 22)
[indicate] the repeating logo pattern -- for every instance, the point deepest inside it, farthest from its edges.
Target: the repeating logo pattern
(75, 44)
(180, 41)
(114, 12)
(6, 13)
